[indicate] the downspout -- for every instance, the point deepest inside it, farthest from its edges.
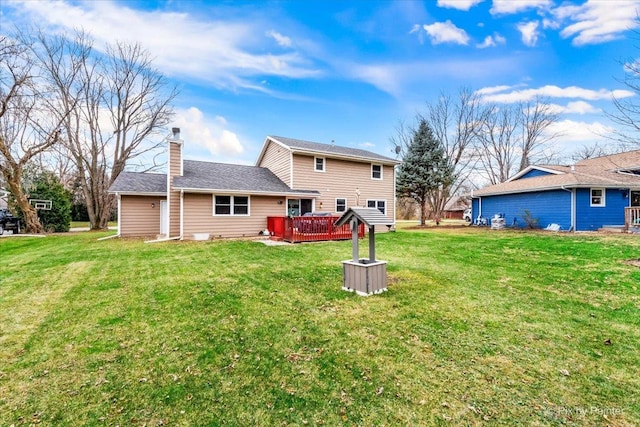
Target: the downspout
(573, 206)
(182, 214)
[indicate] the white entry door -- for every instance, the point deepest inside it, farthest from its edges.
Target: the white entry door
(163, 217)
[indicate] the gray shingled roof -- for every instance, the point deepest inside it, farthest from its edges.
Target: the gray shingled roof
(223, 176)
(367, 216)
(328, 149)
(597, 172)
(140, 182)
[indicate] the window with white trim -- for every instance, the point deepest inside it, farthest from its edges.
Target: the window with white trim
(376, 171)
(231, 205)
(597, 197)
(380, 204)
(318, 164)
(341, 205)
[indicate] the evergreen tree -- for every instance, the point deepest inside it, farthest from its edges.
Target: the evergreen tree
(48, 187)
(424, 169)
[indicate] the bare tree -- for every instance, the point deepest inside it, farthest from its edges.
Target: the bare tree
(512, 137)
(536, 117)
(30, 120)
(498, 144)
(455, 122)
(120, 89)
(627, 110)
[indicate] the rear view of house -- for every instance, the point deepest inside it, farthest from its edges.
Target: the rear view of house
(291, 177)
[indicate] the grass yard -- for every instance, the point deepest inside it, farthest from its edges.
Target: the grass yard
(478, 328)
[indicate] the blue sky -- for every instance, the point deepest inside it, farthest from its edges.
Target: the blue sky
(350, 71)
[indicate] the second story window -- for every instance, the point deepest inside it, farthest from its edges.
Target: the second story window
(318, 164)
(376, 171)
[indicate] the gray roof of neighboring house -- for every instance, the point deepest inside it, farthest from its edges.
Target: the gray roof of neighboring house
(140, 182)
(597, 172)
(199, 175)
(331, 149)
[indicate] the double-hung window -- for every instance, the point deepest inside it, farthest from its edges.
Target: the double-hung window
(341, 205)
(597, 197)
(376, 171)
(318, 164)
(380, 204)
(231, 205)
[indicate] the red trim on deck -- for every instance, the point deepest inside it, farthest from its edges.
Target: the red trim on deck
(309, 229)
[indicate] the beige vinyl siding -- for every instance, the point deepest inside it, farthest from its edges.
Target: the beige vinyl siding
(175, 169)
(138, 217)
(199, 218)
(277, 159)
(341, 179)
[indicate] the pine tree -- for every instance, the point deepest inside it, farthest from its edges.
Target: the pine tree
(424, 169)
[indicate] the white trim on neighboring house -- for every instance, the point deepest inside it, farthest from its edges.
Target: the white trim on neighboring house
(530, 168)
(574, 214)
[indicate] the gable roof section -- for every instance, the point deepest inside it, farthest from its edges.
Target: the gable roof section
(224, 177)
(140, 183)
(606, 172)
(326, 150)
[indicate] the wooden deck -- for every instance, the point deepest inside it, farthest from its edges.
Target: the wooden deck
(632, 218)
(309, 229)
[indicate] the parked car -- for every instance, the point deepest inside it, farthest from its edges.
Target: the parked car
(8, 222)
(466, 215)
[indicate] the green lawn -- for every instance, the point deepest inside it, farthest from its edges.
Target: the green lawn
(478, 328)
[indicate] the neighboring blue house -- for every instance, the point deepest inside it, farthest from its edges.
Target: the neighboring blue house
(585, 196)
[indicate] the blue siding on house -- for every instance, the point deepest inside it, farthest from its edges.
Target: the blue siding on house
(533, 173)
(593, 218)
(547, 206)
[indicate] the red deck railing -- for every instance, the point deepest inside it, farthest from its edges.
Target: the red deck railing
(309, 228)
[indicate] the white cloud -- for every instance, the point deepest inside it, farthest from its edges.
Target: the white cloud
(504, 7)
(367, 144)
(283, 41)
(550, 91)
(446, 32)
(211, 135)
(225, 53)
(529, 31)
(458, 4)
(598, 21)
(570, 131)
(492, 41)
(575, 107)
